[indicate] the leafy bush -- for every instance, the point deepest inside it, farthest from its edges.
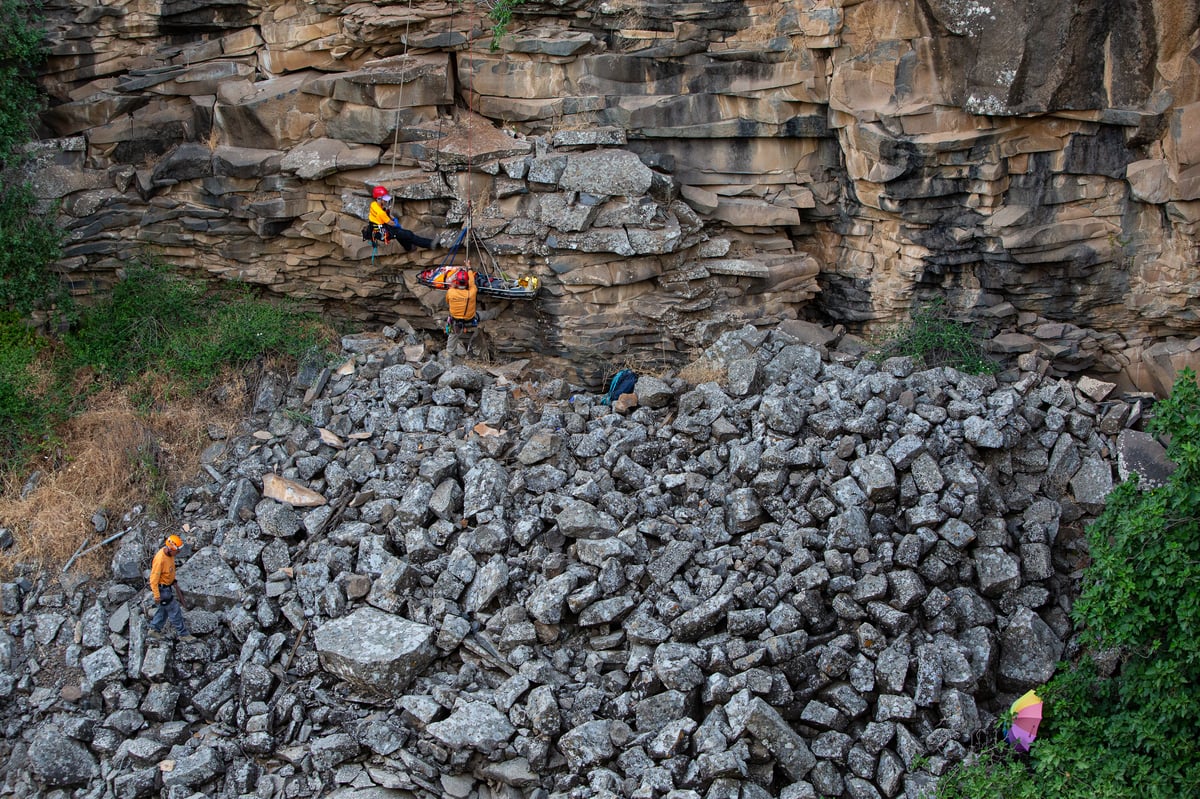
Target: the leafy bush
(937, 339)
(1140, 592)
(156, 321)
(21, 50)
(27, 406)
(1136, 732)
(29, 242)
(28, 245)
(501, 15)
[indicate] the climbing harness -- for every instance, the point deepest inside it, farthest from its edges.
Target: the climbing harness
(376, 234)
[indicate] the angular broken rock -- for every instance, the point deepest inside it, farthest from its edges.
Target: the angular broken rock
(775, 613)
(474, 725)
(290, 492)
(1029, 650)
(581, 519)
(375, 650)
(58, 760)
(775, 733)
(1140, 453)
(208, 582)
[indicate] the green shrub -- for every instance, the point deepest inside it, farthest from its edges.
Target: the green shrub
(1135, 733)
(29, 241)
(501, 15)
(1141, 594)
(27, 408)
(156, 321)
(937, 339)
(21, 50)
(29, 244)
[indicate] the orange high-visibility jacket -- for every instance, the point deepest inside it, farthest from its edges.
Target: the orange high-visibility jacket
(162, 571)
(462, 301)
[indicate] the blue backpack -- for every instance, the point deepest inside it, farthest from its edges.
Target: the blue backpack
(622, 383)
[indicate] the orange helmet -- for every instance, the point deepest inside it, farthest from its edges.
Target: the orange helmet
(174, 541)
(378, 192)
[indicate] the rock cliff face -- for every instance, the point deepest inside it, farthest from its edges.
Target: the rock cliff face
(667, 169)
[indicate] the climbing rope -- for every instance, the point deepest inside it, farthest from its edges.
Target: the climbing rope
(492, 280)
(400, 96)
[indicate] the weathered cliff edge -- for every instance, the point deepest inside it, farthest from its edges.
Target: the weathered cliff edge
(669, 169)
(813, 576)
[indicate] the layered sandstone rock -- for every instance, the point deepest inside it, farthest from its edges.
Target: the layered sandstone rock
(666, 169)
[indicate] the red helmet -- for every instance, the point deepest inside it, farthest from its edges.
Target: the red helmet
(460, 279)
(379, 191)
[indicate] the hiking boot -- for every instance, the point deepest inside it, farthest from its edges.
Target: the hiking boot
(188, 637)
(157, 635)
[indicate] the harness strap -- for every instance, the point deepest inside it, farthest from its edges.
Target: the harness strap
(454, 325)
(378, 234)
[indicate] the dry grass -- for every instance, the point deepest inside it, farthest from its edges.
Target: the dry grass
(766, 23)
(703, 370)
(113, 456)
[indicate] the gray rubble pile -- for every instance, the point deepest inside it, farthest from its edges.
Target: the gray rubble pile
(813, 576)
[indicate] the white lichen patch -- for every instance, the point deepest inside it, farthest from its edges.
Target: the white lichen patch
(988, 104)
(966, 17)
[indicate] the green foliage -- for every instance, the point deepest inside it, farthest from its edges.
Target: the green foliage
(1140, 592)
(27, 407)
(1085, 750)
(21, 49)
(128, 331)
(994, 773)
(156, 321)
(937, 339)
(28, 242)
(1101, 737)
(501, 15)
(158, 332)
(28, 245)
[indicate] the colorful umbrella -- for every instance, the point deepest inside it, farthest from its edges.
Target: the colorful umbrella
(1026, 716)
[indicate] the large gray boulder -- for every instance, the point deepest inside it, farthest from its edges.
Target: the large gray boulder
(208, 582)
(762, 721)
(375, 650)
(59, 761)
(1029, 650)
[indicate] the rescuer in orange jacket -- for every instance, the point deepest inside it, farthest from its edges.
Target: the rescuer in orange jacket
(460, 299)
(162, 586)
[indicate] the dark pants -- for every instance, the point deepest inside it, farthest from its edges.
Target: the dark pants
(170, 610)
(408, 240)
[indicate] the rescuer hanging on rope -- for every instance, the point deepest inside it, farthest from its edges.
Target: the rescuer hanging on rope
(385, 228)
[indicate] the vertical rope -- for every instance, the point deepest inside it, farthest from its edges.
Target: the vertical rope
(470, 90)
(400, 98)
